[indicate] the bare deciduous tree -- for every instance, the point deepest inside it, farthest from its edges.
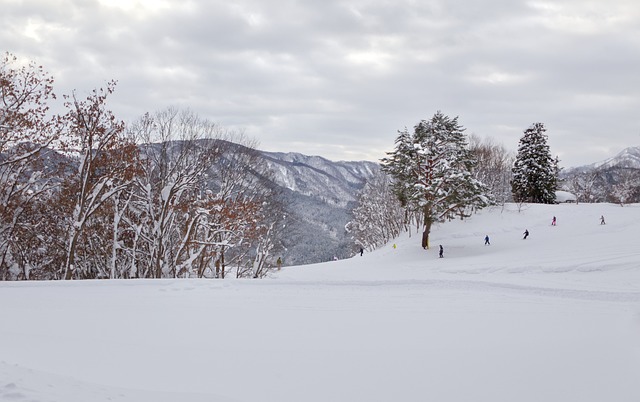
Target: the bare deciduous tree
(104, 164)
(173, 167)
(494, 167)
(25, 132)
(378, 216)
(627, 186)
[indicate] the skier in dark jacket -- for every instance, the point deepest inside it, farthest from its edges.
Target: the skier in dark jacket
(441, 251)
(526, 234)
(486, 241)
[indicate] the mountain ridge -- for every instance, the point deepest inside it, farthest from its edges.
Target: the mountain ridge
(318, 195)
(627, 158)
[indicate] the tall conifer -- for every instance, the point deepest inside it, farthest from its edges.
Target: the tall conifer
(534, 171)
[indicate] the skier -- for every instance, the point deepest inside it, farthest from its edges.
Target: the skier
(526, 234)
(279, 262)
(486, 240)
(361, 251)
(441, 251)
(602, 219)
(553, 221)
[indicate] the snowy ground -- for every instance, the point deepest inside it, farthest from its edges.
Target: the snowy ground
(555, 317)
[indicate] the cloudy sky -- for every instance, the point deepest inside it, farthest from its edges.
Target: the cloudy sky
(339, 78)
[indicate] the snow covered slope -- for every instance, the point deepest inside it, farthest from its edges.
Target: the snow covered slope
(555, 317)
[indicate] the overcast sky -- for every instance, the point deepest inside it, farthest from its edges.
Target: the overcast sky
(339, 78)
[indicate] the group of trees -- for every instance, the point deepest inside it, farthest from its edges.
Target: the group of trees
(493, 168)
(432, 175)
(378, 216)
(436, 174)
(82, 195)
(615, 184)
(536, 176)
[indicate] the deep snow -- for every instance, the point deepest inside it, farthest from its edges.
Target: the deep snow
(555, 317)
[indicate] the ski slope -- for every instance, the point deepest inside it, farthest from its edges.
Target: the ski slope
(555, 317)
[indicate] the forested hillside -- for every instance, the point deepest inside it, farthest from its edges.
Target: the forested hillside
(616, 179)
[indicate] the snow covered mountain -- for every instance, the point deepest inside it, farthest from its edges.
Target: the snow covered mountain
(318, 195)
(314, 176)
(627, 158)
(612, 180)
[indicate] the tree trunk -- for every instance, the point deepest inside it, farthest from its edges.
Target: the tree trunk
(428, 220)
(71, 254)
(222, 264)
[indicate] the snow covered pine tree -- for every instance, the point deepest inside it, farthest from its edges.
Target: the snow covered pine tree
(534, 171)
(433, 172)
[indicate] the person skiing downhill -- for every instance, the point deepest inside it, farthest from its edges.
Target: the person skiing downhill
(553, 221)
(486, 241)
(526, 234)
(441, 251)
(602, 219)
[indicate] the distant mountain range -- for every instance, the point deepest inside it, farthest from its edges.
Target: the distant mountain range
(319, 195)
(314, 176)
(627, 158)
(616, 179)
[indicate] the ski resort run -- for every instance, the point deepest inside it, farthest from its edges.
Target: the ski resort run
(555, 317)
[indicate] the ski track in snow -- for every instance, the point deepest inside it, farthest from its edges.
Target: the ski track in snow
(479, 286)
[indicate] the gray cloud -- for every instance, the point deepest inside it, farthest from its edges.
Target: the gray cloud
(338, 79)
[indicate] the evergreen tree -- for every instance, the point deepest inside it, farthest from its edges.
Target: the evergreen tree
(400, 165)
(535, 172)
(432, 169)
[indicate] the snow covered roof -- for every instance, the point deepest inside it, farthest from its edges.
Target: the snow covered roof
(565, 196)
